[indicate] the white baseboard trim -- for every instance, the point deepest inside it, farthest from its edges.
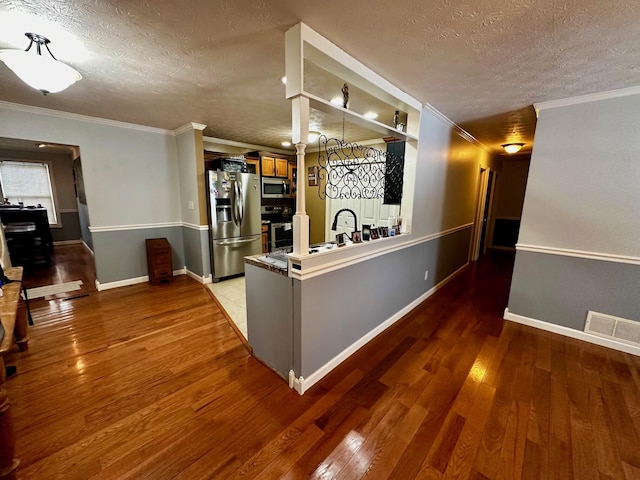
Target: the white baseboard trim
(302, 384)
(67, 242)
(570, 332)
(198, 278)
(131, 281)
(87, 247)
(121, 283)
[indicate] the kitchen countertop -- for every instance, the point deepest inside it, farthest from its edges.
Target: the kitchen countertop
(262, 262)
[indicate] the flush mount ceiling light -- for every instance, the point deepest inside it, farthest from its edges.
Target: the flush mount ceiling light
(286, 144)
(44, 73)
(371, 115)
(512, 147)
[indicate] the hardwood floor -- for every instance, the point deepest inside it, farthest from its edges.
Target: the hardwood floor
(68, 263)
(148, 382)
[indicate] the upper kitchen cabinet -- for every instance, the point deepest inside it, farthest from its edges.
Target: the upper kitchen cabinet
(273, 164)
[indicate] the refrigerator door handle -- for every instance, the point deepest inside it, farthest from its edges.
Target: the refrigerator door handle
(240, 201)
(238, 242)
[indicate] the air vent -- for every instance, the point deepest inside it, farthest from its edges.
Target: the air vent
(608, 326)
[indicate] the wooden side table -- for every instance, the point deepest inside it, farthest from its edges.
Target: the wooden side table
(14, 321)
(159, 262)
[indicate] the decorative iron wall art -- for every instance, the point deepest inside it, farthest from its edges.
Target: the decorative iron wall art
(349, 170)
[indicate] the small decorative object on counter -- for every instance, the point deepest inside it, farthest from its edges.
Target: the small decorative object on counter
(366, 232)
(375, 233)
(384, 231)
(356, 237)
(340, 239)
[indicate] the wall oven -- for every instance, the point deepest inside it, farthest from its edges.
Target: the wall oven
(275, 188)
(281, 235)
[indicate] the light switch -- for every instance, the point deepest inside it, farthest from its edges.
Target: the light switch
(191, 205)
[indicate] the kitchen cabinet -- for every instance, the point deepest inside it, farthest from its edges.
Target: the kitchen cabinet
(253, 165)
(282, 167)
(159, 262)
(293, 178)
(272, 164)
(268, 165)
(265, 238)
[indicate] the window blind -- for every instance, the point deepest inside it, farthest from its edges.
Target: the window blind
(29, 183)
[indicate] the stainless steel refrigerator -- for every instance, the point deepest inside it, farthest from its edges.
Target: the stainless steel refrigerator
(235, 222)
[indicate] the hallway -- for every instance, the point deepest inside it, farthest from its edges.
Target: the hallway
(152, 382)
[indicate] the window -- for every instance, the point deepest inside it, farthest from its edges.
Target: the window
(29, 183)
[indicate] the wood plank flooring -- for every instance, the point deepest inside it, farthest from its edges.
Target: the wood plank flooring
(148, 382)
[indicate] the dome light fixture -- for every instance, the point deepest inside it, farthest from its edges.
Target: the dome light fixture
(44, 73)
(512, 147)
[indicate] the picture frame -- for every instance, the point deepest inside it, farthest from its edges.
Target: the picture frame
(375, 233)
(384, 232)
(312, 176)
(340, 239)
(366, 232)
(356, 237)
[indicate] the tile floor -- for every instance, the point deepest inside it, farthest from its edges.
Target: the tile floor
(231, 294)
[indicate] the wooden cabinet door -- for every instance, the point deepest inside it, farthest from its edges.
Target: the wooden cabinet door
(268, 166)
(282, 167)
(253, 165)
(293, 178)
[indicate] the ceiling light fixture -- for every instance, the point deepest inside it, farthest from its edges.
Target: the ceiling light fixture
(283, 80)
(286, 144)
(512, 147)
(371, 115)
(43, 73)
(336, 101)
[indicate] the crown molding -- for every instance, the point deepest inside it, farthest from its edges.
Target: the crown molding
(457, 128)
(83, 118)
(249, 146)
(591, 97)
(189, 127)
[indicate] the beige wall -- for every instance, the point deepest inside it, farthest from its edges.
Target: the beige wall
(315, 206)
(511, 186)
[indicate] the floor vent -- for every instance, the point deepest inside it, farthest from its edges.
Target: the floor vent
(608, 326)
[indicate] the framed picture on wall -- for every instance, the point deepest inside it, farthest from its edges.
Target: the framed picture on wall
(313, 176)
(375, 234)
(356, 237)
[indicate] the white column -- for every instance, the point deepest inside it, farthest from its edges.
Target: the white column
(300, 219)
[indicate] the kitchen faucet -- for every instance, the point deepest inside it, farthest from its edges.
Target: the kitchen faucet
(355, 220)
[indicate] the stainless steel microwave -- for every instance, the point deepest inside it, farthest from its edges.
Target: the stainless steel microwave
(275, 188)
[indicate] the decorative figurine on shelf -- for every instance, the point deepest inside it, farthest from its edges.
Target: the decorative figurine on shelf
(345, 96)
(396, 119)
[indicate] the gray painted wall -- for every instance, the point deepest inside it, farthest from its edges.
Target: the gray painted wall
(130, 175)
(332, 320)
(582, 194)
(196, 251)
(123, 253)
(83, 216)
(582, 191)
(560, 289)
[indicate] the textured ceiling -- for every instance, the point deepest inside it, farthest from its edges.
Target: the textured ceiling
(481, 63)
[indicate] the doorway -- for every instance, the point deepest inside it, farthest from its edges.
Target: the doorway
(486, 188)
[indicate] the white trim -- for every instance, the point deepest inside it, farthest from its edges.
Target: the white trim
(117, 228)
(67, 242)
(454, 126)
(591, 97)
(68, 210)
(317, 264)
(302, 384)
(189, 127)
(605, 257)
(87, 247)
(570, 332)
(121, 283)
(83, 118)
(132, 281)
(199, 278)
(202, 228)
(248, 146)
